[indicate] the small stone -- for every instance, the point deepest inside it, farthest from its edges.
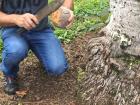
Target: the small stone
(132, 75)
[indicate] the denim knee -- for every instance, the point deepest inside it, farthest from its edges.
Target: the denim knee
(11, 57)
(16, 51)
(57, 69)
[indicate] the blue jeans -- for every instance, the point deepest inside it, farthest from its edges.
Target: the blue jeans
(44, 45)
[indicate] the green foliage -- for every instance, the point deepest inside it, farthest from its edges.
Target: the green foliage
(90, 7)
(89, 16)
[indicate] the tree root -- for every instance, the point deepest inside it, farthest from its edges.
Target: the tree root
(108, 81)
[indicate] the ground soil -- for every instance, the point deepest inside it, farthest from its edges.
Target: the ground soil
(42, 89)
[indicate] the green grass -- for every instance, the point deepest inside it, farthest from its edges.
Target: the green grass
(89, 15)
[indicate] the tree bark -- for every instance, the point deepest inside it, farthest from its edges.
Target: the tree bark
(124, 26)
(108, 79)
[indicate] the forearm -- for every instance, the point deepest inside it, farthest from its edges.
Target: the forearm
(7, 20)
(69, 4)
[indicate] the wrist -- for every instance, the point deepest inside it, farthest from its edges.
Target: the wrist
(69, 4)
(66, 8)
(13, 18)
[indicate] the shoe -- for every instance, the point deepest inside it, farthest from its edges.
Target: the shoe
(11, 85)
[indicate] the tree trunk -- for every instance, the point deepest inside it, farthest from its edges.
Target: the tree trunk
(108, 79)
(124, 26)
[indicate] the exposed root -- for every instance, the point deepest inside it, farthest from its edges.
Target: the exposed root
(108, 81)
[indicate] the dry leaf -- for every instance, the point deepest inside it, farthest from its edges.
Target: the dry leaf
(21, 93)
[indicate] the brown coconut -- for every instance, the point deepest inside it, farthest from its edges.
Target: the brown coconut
(60, 17)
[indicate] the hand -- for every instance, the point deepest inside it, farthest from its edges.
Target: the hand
(27, 21)
(70, 20)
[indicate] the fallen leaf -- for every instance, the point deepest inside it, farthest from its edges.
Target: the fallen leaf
(21, 93)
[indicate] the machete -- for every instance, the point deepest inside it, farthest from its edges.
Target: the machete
(44, 11)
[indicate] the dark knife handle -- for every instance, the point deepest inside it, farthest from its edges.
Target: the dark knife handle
(21, 30)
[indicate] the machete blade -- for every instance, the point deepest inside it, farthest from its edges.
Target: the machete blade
(44, 11)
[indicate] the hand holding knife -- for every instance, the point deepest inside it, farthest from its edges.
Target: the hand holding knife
(44, 11)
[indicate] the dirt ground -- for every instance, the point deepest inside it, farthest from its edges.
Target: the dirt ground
(42, 89)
